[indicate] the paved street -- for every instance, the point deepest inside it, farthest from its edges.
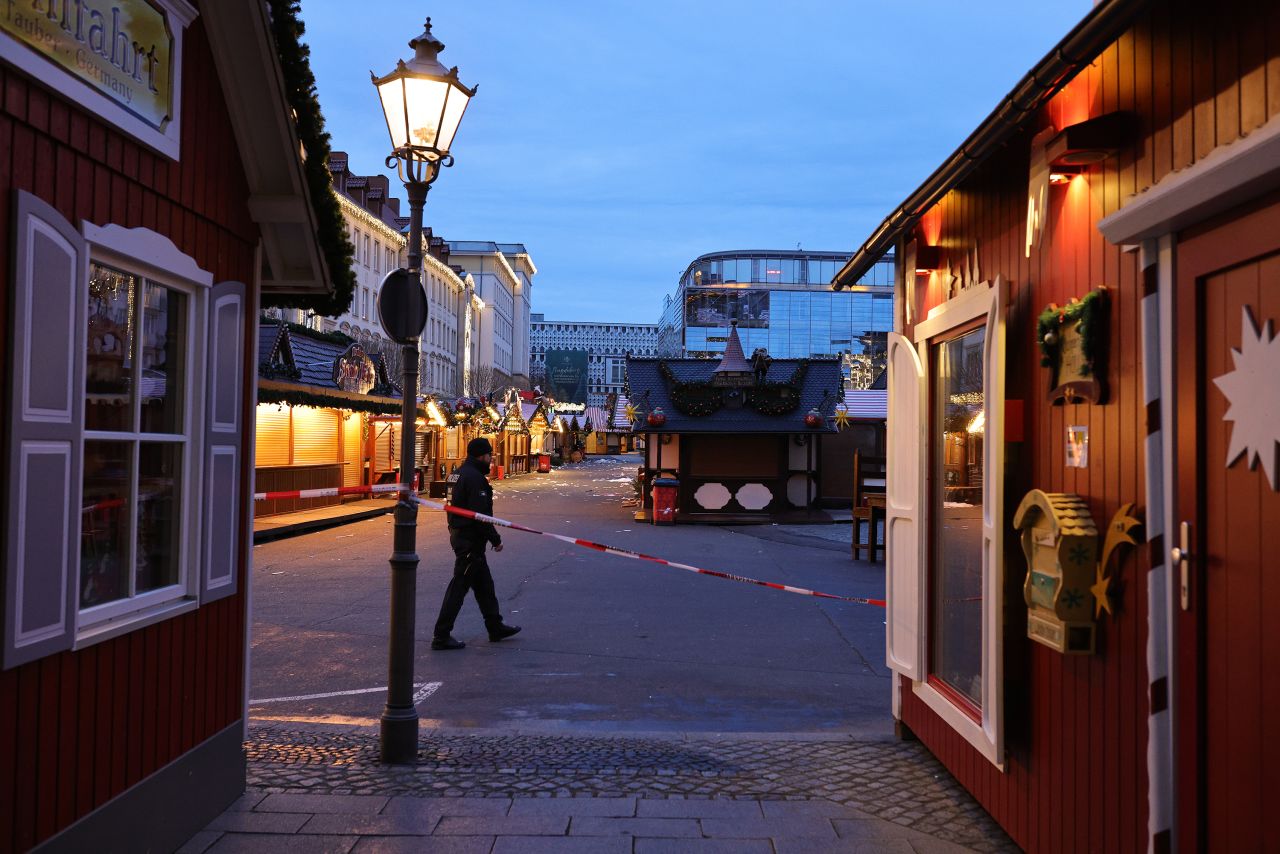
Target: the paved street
(642, 709)
(609, 645)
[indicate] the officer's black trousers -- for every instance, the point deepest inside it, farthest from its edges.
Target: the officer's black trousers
(470, 572)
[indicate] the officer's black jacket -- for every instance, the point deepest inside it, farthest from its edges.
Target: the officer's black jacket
(472, 492)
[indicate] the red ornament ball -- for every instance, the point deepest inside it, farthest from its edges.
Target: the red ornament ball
(813, 419)
(657, 418)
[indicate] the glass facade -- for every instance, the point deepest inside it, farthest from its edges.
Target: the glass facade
(782, 301)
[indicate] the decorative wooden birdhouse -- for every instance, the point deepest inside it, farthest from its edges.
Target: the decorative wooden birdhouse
(1060, 541)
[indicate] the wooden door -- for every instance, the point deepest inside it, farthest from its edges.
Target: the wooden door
(1227, 689)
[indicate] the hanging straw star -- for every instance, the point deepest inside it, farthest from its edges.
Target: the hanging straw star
(631, 413)
(842, 417)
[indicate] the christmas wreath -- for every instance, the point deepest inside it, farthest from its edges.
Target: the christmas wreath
(1091, 314)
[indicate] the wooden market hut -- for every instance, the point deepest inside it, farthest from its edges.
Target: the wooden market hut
(742, 439)
(543, 437)
(124, 610)
(595, 428)
(859, 422)
(618, 436)
(1086, 305)
(327, 416)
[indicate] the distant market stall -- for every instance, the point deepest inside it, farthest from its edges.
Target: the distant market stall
(741, 438)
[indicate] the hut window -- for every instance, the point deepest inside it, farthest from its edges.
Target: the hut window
(955, 567)
(138, 443)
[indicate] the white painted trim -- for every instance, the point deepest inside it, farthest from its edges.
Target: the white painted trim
(972, 303)
(121, 616)
(146, 250)
(967, 727)
(1166, 284)
(27, 277)
(1225, 177)
(168, 141)
(995, 357)
(209, 584)
(232, 426)
(988, 736)
(250, 447)
(27, 450)
(100, 632)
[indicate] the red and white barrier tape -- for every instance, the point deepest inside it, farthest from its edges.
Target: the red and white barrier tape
(330, 492)
(564, 538)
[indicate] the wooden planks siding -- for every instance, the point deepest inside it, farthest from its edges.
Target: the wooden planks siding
(81, 727)
(1199, 77)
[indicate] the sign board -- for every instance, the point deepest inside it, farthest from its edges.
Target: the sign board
(353, 371)
(120, 59)
(567, 375)
(402, 306)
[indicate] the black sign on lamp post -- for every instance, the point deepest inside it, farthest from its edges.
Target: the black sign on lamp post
(423, 103)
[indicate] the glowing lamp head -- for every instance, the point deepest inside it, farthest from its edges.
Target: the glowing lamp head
(422, 101)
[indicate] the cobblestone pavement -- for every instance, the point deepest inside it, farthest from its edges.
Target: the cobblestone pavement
(899, 782)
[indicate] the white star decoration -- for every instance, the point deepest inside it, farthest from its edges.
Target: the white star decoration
(1253, 390)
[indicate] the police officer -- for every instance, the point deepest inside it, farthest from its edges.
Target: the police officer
(468, 537)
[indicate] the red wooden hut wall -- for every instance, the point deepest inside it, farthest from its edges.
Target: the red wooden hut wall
(1199, 76)
(79, 728)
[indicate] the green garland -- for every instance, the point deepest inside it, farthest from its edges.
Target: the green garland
(331, 231)
(1091, 312)
(703, 398)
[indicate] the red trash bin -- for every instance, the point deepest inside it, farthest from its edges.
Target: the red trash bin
(544, 463)
(664, 500)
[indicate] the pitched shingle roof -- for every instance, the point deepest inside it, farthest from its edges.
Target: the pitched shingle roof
(820, 389)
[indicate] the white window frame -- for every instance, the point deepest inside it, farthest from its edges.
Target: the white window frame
(152, 256)
(987, 735)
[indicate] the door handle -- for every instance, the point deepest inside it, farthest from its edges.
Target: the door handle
(1181, 556)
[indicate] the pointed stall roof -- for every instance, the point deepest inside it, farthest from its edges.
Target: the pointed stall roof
(734, 361)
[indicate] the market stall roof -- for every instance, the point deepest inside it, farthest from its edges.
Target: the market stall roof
(618, 420)
(248, 64)
(297, 366)
(815, 382)
(867, 404)
(598, 418)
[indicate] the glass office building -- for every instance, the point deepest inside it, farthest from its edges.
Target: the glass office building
(782, 301)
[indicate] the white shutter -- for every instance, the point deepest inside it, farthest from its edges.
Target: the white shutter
(993, 363)
(46, 332)
(905, 516)
(224, 439)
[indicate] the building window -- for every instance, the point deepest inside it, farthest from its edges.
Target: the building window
(139, 444)
(377, 256)
(955, 568)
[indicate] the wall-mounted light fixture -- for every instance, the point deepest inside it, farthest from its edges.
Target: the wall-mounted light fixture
(928, 258)
(1081, 145)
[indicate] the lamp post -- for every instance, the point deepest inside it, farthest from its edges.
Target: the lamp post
(423, 103)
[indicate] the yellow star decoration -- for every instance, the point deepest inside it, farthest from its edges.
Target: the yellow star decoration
(842, 417)
(1101, 591)
(631, 412)
(1121, 531)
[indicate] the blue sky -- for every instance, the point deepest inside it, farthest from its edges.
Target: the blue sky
(618, 141)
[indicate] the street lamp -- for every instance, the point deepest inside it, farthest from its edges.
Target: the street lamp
(423, 103)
